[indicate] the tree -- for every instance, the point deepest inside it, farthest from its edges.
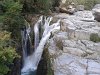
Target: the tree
(7, 52)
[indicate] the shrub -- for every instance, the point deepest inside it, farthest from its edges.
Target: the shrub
(49, 61)
(7, 52)
(94, 37)
(12, 19)
(90, 3)
(59, 43)
(36, 6)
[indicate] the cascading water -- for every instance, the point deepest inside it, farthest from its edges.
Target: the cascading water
(25, 41)
(31, 62)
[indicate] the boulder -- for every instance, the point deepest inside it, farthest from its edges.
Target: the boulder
(96, 12)
(65, 8)
(71, 11)
(97, 6)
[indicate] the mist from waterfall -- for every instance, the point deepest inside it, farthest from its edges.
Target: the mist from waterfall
(31, 62)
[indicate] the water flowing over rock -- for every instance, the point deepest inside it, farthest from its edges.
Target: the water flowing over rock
(31, 61)
(71, 50)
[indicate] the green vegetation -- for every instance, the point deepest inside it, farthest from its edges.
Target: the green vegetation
(10, 23)
(89, 4)
(59, 43)
(48, 58)
(94, 38)
(7, 52)
(12, 19)
(37, 6)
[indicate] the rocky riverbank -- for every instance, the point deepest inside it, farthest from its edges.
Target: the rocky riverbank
(72, 52)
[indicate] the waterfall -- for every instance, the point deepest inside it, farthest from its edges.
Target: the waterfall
(31, 62)
(36, 32)
(25, 40)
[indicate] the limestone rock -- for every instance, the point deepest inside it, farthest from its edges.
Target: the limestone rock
(84, 14)
(96, 12)
(73, 51)
(73, 59)
(65, 24)
(77, 55)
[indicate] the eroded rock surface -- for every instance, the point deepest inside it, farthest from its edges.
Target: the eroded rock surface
(71, 50)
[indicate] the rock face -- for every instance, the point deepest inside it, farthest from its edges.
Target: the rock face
(71, 51)
(96, 12)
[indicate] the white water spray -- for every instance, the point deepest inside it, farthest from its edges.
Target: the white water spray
(36, 32)
(31, 62)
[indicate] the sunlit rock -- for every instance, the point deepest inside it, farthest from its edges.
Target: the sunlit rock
(72, 52)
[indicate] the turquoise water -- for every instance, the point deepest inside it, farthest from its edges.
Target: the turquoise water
(29, 73)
